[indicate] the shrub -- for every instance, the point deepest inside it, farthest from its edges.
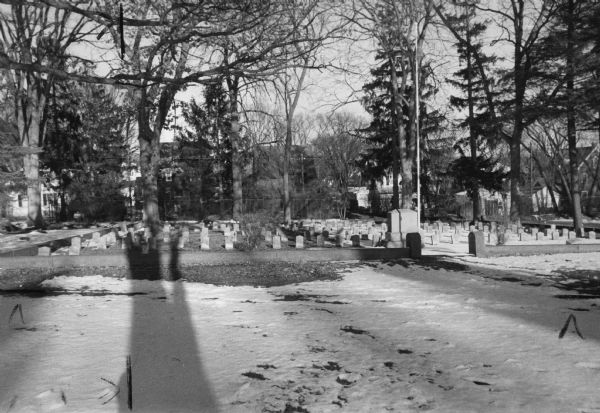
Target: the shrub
(251, 226)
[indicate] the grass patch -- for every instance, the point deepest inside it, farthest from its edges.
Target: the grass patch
(251, 274)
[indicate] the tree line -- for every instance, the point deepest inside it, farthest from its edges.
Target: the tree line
(524, 66)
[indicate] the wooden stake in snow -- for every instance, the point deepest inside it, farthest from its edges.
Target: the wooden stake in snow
(566, 326)
(14, 311)
(129, 385)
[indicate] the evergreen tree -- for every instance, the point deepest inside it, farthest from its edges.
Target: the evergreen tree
(85, 151)
(205, 152)
(376, 161)
(475, 168)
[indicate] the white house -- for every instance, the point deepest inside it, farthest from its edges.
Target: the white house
(18, 205)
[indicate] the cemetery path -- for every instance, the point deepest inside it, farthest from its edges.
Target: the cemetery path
(466, 335)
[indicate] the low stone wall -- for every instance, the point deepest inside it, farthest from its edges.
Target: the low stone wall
(478, 247)
(216, 258)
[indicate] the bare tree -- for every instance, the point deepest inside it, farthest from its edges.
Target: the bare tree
(160, 47)
(338, 147)
(33, 36)
(548, 147)
(522, 24)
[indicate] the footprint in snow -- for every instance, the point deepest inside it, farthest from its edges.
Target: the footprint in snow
(254, 375)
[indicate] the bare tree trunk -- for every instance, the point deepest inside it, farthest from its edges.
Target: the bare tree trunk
(398, 140)
(149, 141)
(236, 169)
(29, 111)
(31, 167)
(234, 136)
(472, 133)
(409, 155)
(287, 208)
(571, 127)
(149, 162)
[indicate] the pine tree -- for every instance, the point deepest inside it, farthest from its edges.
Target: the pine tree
(205, 153)
(85, 150)
(474, 169)
(376, 161)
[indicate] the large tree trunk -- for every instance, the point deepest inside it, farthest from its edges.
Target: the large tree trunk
(472, 132)
(571, 127)
(409, 153)
(234, 136)
(236, 169)
(149, 141)
(29, 111)
(31, 167)
(398, 139)
(515, 143)
(515, 176)
(287, 207)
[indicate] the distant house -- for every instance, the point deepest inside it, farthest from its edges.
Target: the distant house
(18, 204)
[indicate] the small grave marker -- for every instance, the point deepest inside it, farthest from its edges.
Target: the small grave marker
(320, 241)
(44, 251)
(229, 242)
(75, 247)
(204, 241)
(276, 242)
(355, 240)
(299, 241)
(102, 242)
(94, 242)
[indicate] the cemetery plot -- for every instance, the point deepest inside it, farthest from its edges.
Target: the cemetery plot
(216, 236)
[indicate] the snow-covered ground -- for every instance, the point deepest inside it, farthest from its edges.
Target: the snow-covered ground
(388, 337)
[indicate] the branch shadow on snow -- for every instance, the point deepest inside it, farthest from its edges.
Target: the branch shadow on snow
(167, 372)
(545, 300)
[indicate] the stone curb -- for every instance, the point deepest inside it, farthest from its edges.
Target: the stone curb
(208, 258)
(478, 248)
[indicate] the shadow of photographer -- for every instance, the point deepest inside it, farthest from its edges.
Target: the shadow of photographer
(166, 367)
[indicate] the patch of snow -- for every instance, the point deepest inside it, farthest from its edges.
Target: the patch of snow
(394, 337)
